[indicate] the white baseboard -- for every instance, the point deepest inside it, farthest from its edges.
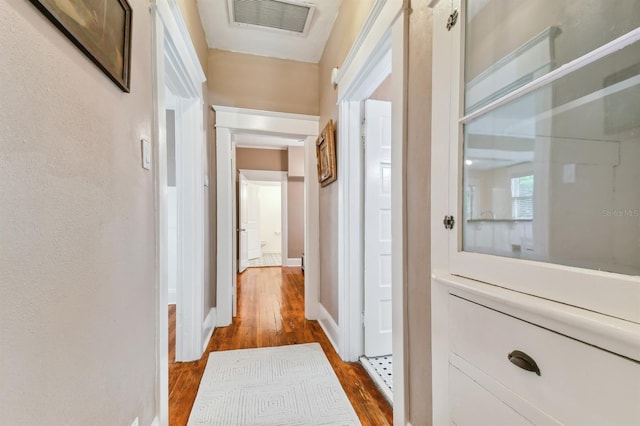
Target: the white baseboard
(171, 296)
(156, 421)
(208, 327)
(293, 261)
(329, 326)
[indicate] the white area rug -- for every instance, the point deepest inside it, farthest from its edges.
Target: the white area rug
(279, 386)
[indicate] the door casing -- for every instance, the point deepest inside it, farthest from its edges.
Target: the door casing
(175, 65)
(229, 121)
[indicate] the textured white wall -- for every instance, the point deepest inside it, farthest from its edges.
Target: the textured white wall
(77, 298)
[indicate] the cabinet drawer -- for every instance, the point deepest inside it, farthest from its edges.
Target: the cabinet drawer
(472, 405)
(579, 384)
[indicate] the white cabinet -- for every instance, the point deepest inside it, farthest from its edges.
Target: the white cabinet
(589, 363)
(536, 157)
(578, 383)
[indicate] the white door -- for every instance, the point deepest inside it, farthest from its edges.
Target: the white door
(252, 225)
(243, 262)
(377, 227)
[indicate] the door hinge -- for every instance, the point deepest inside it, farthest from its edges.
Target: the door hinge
(362, 319)
(448, 222)
(453, 18)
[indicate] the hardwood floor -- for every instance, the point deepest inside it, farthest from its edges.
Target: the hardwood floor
(271, 313)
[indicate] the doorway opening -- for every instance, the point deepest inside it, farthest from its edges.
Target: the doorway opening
(234, 127)
(265, 246)
(377, 241)
(263, 225)
(380, 53)
(180, 198)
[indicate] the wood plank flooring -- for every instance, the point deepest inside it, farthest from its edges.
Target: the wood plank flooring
(271, 313)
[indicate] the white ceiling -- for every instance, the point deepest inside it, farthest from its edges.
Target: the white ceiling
(247, 140)
(221, 34)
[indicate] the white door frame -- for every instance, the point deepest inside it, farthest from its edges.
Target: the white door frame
(276, 176)
(231, 120)
(175, 65)
(380, 43)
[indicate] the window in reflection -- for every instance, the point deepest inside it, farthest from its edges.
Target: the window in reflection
(522, 197)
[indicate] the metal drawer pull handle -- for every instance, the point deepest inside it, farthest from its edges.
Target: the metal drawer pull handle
(524, 361)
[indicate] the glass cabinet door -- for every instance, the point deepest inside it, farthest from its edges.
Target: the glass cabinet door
(545, 162)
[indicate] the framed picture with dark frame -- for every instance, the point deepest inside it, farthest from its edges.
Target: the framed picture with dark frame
(326, 155)
(100, 28)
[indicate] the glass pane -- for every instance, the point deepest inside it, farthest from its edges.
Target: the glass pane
(554, 176)
(511, 42)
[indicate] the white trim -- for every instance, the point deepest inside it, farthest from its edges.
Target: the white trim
(171, 296)
(311, 232)
(293, 262)
(380, 20)
(161, 218)
(156, 421)
(442, 79)
(384, 31)
(225, 228)
(208, 327)
(174, 24)
(351, 199)
(284, 218)
(231, 113)
(379, 65)
(612, 334)
(231, 120)
(517, 68)
(566, 69)
(172, 47)
(266, 122)
(400, 342)
(190, 228)
(328, 325)
(350, 232)
(264, 175)
(275, 148)
(376, 9)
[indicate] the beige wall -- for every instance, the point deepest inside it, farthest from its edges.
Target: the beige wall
(77, 250)
(191, 16)
(258, 82)
(350, 18)
(278, 160)
(295, 217)
(296, 161)
(261, 159)
(384, 92)
(417, 233)
(295, 202)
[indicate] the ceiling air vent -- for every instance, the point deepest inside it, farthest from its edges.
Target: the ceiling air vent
(291, 17)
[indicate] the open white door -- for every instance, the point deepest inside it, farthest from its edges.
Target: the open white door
(243, 262)
(377, 227)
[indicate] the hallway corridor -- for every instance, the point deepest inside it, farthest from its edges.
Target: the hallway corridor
(271, 313)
